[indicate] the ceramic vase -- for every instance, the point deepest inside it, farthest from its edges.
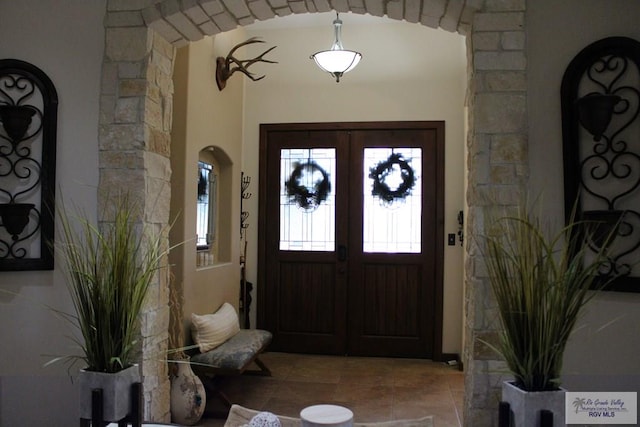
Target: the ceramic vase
(188, 398)
(526, 405)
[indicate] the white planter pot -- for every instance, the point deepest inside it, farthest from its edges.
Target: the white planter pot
(526, 405)
(116, 392)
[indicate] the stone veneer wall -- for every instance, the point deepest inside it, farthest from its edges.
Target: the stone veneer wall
(497, 166)
(135, 125)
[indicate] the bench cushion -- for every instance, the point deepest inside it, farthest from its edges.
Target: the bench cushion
(235, 354)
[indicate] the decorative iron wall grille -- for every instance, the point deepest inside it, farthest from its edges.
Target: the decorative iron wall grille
(601, 146)
(28, 112)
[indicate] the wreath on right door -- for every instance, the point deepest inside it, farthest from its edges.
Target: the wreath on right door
(383, 170)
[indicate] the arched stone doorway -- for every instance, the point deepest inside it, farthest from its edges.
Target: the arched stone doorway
(136, 114)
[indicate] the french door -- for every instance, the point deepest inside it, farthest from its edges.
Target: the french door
(351, 238)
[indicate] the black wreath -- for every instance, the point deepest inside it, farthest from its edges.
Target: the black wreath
(381, 171)
(308, 198)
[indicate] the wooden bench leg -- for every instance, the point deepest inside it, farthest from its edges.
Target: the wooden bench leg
(264, 370)
(214, 391)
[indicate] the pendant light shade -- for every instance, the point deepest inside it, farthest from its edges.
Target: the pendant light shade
(337, 61)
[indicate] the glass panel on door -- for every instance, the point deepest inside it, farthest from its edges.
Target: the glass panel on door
(392, 200)
(307, 199)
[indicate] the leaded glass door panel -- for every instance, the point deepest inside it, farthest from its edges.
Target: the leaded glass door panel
(396, 242)
(350, 238)
(301, 195)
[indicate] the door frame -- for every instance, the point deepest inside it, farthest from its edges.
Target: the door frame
(391, 125)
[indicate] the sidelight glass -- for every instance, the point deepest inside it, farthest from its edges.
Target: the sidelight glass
(392, 200)
(307, 199)
(206, 206)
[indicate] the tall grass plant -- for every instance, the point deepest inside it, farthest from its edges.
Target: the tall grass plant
(109, 269)
(541, 282)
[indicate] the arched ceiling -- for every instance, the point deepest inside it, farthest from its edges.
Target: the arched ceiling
(182, 21)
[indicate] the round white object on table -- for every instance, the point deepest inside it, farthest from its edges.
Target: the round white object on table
(326, 415)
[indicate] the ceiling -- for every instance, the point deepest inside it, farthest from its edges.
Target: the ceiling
(392, 50)
(325, 19)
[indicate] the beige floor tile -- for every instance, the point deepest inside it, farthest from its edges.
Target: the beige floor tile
(375, 389)
(456, 381)
(371, 411)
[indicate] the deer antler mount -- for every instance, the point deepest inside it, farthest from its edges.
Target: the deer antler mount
(225, 67)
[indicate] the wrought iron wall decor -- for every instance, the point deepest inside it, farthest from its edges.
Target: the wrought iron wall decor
(245, 286)
(461, 227)
(245, 181)
(28, 112)
(600, 98)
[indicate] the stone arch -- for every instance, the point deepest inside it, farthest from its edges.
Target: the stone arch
(135, 125)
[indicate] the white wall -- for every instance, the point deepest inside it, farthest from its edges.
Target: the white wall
(599, 353)
(203, 117)
(66, 42)
(408, 72)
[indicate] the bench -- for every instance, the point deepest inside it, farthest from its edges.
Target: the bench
(233, 357)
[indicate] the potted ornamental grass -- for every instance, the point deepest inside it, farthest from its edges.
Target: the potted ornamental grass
(110, 268)
(541, 281)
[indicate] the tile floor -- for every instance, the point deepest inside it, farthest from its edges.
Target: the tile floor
(375, 389)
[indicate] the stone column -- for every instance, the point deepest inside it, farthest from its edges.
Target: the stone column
(498, 171)
(134, 143)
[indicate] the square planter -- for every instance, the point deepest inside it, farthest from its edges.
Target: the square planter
(526, 405)
(116, 392)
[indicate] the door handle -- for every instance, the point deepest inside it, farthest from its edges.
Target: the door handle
(342, 253)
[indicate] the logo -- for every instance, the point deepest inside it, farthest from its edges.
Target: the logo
(601, 407)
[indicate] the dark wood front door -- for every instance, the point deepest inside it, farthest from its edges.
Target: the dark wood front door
(351, 238)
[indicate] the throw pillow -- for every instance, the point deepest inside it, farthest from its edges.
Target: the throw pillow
(211, 330)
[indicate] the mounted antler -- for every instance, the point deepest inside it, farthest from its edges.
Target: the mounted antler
(225, 66)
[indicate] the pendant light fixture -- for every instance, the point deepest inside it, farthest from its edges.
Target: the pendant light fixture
(337, 61)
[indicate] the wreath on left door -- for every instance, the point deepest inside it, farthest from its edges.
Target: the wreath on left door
(308, 198)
